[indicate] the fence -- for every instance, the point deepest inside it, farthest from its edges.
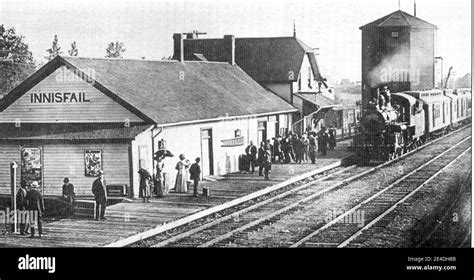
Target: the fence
(345, 133)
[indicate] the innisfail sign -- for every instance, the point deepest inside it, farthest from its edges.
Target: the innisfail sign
(59, 97)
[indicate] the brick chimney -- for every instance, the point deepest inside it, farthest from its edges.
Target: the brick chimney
(229, 48)
(178, 52)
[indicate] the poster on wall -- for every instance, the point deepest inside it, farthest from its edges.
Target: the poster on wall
(31, 169)
(93, 162)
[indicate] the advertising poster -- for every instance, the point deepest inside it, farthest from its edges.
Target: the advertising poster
(93, 162)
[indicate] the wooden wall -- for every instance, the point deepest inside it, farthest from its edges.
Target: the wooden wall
(67, 160)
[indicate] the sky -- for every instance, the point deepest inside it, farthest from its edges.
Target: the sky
(146, 27)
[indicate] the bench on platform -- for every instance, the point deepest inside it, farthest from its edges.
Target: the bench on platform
(84, 209)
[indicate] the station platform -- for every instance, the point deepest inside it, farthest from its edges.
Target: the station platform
(131, 218)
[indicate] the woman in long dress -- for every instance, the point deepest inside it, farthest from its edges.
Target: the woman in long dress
(181, 184)
(145, 179)
(159, 184)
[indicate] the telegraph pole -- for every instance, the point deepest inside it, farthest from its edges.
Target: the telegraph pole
(13, 168)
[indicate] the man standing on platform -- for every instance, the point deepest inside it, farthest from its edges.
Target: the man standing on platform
(100, 195)
(21, 204)
(267, 163)
(323, 137)
(260, 158)
(312, 147)
(35, 203)
(251, 152)
(195, 171)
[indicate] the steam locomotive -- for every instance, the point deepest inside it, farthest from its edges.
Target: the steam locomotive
(395, 123)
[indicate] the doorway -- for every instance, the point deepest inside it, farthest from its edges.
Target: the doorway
(207, 156)
(262, 132)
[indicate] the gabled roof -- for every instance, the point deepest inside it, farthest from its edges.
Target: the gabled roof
(273, 59)
(168, 92)
(317, 99)
(400, 18)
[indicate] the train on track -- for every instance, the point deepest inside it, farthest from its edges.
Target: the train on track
(395, 123)
(398, 54)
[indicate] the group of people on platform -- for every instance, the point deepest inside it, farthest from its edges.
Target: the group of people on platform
(290, 148)
(261, 157)
(28, 198)
(160, 186)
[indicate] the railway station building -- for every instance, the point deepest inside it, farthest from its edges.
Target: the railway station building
(75, 116)
(285, 66)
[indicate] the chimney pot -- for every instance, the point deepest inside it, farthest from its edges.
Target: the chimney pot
(229, 47)
(178, 53)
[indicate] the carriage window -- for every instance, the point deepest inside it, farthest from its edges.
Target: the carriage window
(395, 34)
(444, 114)
(434, 115)
(457, 108)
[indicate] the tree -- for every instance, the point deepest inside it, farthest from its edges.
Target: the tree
(16, 60)
(73, 51)
(55, 49)
(464, 81)
(115, 50)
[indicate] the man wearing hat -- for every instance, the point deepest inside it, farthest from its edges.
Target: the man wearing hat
(35, 203)
(100, 194)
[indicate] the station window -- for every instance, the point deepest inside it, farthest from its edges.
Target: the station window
(395, 34)
(299, 82)
(309, 78)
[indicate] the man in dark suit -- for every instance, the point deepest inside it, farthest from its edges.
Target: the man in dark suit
(195, 171)
(21, 204)
(69, 195)
(260, 158)
(35, 203)
(100, 195)
(251, 152)
(267, 163)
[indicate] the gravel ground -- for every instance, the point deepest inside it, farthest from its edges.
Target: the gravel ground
(445, 203)
(292, 227)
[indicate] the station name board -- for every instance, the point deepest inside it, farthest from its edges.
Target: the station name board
(59, 97)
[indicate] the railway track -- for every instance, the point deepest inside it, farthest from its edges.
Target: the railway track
(376, 210)
(241, 223)
(446, 218)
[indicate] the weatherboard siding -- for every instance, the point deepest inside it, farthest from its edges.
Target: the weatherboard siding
(89, 105)
(67, 160)
(8, 154)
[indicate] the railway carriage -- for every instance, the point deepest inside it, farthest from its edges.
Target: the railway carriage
(437, 110)
(460, 105)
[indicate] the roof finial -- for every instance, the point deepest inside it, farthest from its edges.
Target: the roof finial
(294, 29)
(399, 5)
